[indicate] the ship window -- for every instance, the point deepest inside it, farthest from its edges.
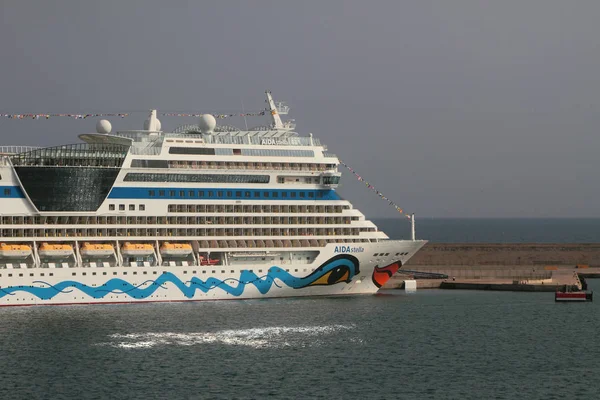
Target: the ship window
(220, 193)
(104, 273)
(20, 274)
(265, 194)
(145, 272)
(182, 193)
(211, 193)
(275, 194)
(172, 193)
(111, 207)
(161, 193)
(73, 274)
(284, 194)
(114, 273)
(302, 194)
(124, 273)
(192, 150)
(142, 207)
(132, 207)
(247, 194)
(311, 195)
(149, 164)
(195, 178)
(256, 194)
(84, 274)
(122, 207)
(9, 275)
(238, 194)
(214, 271)
(7, 192)
(201, 193)
(228, 193)
(293, 194)
(237, 152)
(191, 193)
(93, 273)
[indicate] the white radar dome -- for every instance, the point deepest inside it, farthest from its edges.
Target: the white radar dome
(103, 126)
(156, 127)
(207, 123)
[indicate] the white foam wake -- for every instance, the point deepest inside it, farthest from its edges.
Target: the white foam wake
(278, 336)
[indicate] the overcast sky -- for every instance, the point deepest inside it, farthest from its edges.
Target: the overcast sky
(450, 108)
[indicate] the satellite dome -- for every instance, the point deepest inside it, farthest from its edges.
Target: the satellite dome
(207, 123)
(156, 127)
(103, 126)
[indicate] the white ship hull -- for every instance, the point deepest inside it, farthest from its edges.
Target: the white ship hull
(338, 270)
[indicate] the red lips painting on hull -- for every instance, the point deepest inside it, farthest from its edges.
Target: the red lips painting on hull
(382, 274)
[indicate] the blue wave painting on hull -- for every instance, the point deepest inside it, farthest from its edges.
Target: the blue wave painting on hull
(341, 268)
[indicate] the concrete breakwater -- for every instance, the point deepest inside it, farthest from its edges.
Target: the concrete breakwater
(496, 266)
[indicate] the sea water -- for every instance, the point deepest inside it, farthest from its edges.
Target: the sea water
(433, 344)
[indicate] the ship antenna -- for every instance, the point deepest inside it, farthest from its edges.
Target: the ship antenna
(244, 114)
(275, 118)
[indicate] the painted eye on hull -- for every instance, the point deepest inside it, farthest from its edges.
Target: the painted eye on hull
(341, 268)
(336, 275)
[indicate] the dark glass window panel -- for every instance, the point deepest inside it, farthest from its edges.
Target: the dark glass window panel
(67, 188)
(149, 164)
(192, 150)
(195, 178)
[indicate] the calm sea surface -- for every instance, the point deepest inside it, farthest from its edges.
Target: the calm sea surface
(429, 345)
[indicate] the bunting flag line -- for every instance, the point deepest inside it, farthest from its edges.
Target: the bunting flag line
(381, 195)
(75, 116)
(122, 115)
(217, 116)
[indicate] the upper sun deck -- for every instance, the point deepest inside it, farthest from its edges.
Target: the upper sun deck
(152, 140)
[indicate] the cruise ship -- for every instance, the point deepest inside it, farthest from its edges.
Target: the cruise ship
(205, 212)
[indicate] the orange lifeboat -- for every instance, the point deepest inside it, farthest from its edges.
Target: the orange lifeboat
(55, 250)
(176, 249)
(97, 250)
(14, 250)
(137, 249)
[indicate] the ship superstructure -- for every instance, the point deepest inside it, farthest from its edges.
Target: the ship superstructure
(204, 212)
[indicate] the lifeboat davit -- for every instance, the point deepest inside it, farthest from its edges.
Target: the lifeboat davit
(97, 250)
(55, 250)
(137, 249)
(14, 250)
(175, 249)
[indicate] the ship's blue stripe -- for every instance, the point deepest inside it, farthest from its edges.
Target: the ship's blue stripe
(159, 193)
(11, 192)
(230, 285)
